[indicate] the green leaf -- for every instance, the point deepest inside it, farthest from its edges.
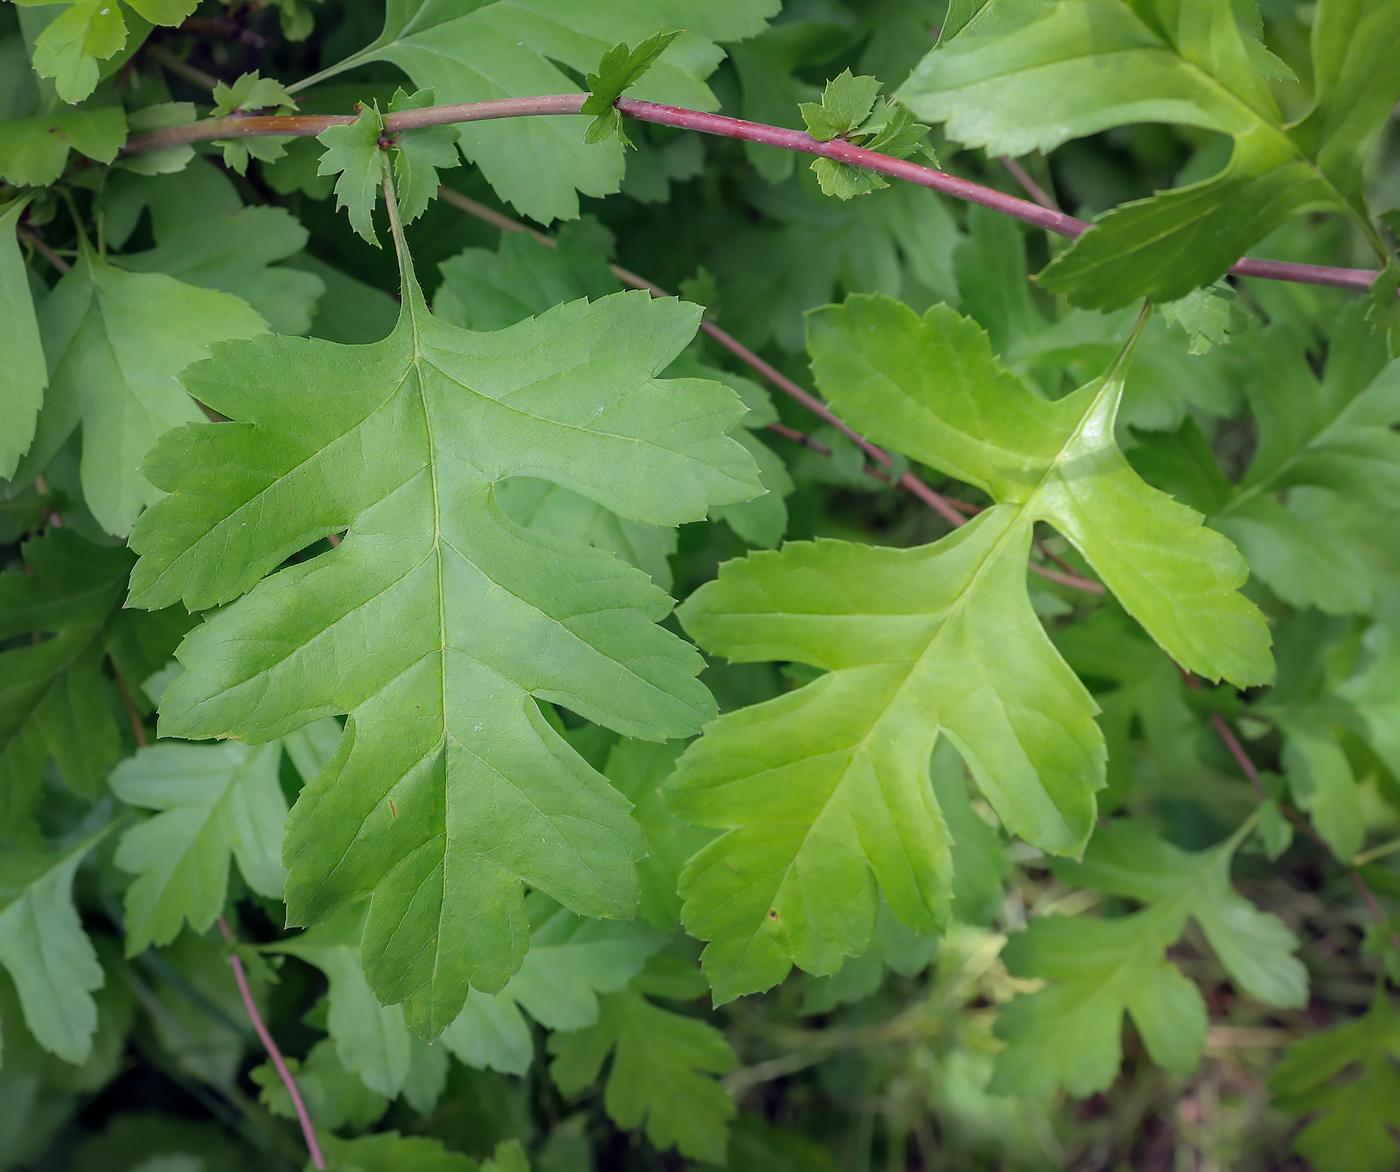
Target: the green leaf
(571, 960)
(1384, 310)
(1357, 1118)
(502, 49)
(371, 1040)
(115, 342)
(334, 1097)
(1069, 1032)
(215, 800)
(419, 155)
(24, 375)
(237, 253)
(1321, 778)
(846, 103)
(620, 69)
(251, 92)
(70, 47)
(660, 1060)
(893, 947)
(876, 361)
(34, 151)
(446, 756)
(388, 1151)
(1022, 77)
(762, 521)
(44, 948)
(53, 699)
(638, 769)
(824, 792)
(353, 153)
(1209, 316)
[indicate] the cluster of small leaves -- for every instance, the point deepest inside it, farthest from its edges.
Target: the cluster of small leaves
(337, 639)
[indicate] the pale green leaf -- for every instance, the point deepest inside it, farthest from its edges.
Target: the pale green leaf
(114, 342)
(24, 374)
(658, 1074)
(388, 1151)
(237, 253)
(1321, 779)
(45, 950)
(570, 962)
(1021, 77)
(251, 91)
(214, 801)
(1068, 1033)
(446, 757)
(34, 151)
(371, 1040)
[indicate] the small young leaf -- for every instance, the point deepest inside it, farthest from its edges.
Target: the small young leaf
(334, 1097)
(353, 152)
(419, 155)
(251, 92)
(620, 69)
(846, 103)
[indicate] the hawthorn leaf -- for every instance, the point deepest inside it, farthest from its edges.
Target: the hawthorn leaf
(894, 948)
(845, 104)
(509, 48)
(638, 769)
(24, 376)
(447, 771)
(1021, 77)
(251, 91)
(371, 1040)
(881, 367)
(115, 342)
(237, 253)
(353, 153)
(388, 1151)
(44, 948)
(620, 69)
(1209, 316)
(34, 151)
(571, 960)
(53, 699)
(419, 155)
(823, 792)
(1321, 778)
(1357, 1118)
(660, 1061)
(88, 31)
(762, 521)
(1068, 1033)
(214, 801)
(334, 1097)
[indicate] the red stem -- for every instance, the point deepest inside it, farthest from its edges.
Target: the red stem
(303, 1116)
(310, 125)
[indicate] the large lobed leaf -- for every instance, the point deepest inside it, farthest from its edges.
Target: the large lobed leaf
(1024, 76)
(437, 621)
(824, 792)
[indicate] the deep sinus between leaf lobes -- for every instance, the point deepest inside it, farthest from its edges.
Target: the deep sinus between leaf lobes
(437, 619)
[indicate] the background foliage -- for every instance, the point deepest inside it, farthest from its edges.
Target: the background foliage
(1092, 867)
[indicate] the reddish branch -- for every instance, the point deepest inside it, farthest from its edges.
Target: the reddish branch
(298, 1105)
(310, 125)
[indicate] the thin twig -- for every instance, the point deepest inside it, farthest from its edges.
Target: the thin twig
(303, 1116)
(310, 125)
(1251, 773)
(33, 240)
(163, 56)
(950, 511)
(1029, 185)
(133, 713)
